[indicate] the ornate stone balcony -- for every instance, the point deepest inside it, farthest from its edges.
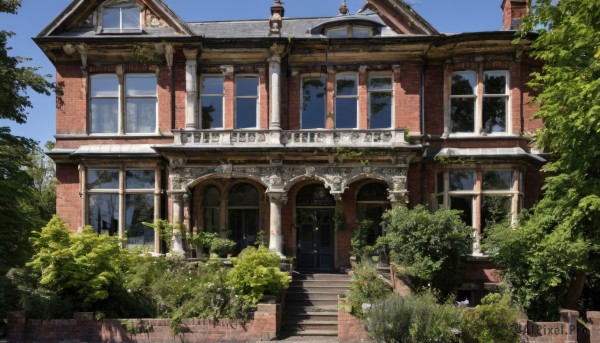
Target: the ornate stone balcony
(293, 139)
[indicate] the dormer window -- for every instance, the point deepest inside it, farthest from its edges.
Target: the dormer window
(350, 31)
(123, 17)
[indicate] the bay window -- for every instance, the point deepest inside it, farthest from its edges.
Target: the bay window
(119, 201)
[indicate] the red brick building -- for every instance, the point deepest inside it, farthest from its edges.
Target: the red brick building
(300, 128)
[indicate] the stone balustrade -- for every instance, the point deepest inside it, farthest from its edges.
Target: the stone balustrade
(299, 138)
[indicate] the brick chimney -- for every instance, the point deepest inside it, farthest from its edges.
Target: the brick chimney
(512, 13)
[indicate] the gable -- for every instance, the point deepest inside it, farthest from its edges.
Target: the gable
(87, 14)
(400, 17)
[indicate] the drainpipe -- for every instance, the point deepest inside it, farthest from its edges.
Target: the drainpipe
(172, 99)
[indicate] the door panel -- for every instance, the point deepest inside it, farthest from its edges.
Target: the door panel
(316, 248)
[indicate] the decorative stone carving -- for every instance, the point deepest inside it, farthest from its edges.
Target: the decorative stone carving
(282, 178)
(154, 21)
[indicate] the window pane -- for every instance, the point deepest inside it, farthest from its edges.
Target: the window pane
(104, 85)
(103, 213)
(141, 115)
(440, 183)
(212, 85)
(314, 195)
(139, 179)
(342, 32)
(494, 209)
(102, 179)
(211, 219)
(373, 192)
(111, 18)
(494, 82)
(380, 108)
(462, 115)
(243, 194)
(140, 85)
(346, 85)
(211, 197)
(494, 115)
(497, 180)
(245, 116)
(212, 111)
(131, 17)
(462, 180)
(105, 116)
(380, 83)
(139, 208)
(246, 86)
(361, 32)
(463, 83)
(345, 113)
(313, 103)
(465, 205)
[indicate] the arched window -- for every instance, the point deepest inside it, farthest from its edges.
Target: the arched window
(243, 214)
(371, 202)
(314, 195)
(211, 202)
(121, 17)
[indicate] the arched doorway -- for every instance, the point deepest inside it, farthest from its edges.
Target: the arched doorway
(315, 210)
(371, 202)
(243, 214)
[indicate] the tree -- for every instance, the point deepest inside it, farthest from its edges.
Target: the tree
(563, 230)
(15, 182)
(426, 246)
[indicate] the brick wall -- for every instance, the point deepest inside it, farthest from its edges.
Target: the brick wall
(68, 201)
(350, 328)
(408, 105)
(71, 106)
(264, 327)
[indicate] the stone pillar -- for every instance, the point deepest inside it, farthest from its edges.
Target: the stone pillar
(275, 92)
(177, 218)
(275, 235)
(191, 89)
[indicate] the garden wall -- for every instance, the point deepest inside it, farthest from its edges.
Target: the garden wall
(350, 328)
(264, 327)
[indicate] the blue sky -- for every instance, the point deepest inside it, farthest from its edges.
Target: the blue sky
(34, 15)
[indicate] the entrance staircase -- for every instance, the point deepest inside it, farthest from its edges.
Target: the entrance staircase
(311, 307)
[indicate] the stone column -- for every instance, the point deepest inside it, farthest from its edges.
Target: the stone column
(177, 218)
(274, 92)
(191, 89)
(275, 235)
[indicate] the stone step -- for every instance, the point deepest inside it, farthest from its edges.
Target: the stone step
(317, 288)
(308, 309)
(309, 339)
(291, 296)
(327, 333)
(311, 303)
(304, 315)
(328, 277)
(320, 283)
(310, 324)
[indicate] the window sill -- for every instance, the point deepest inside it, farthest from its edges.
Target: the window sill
(480, 136)
(113, 136)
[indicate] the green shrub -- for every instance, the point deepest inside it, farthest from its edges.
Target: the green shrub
(213, 243)
(364, 231)
(427, 246)
(256, 273)
(413, 319)
(493, 321)
(366, 288)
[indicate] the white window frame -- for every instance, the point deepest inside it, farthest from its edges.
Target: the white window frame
(122, 108)
(122, 191)
(120, 30)
(336, 96)
(477, 194)
(222, 95)
(349, 31)
(478, 96)
(312, 76)
(236, 97)
(391, 91)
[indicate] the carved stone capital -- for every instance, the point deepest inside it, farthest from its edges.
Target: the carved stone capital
(190, 54)
(363, 68)
(227, 70)
(396, 68)
(330, 70)
(277, 197)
